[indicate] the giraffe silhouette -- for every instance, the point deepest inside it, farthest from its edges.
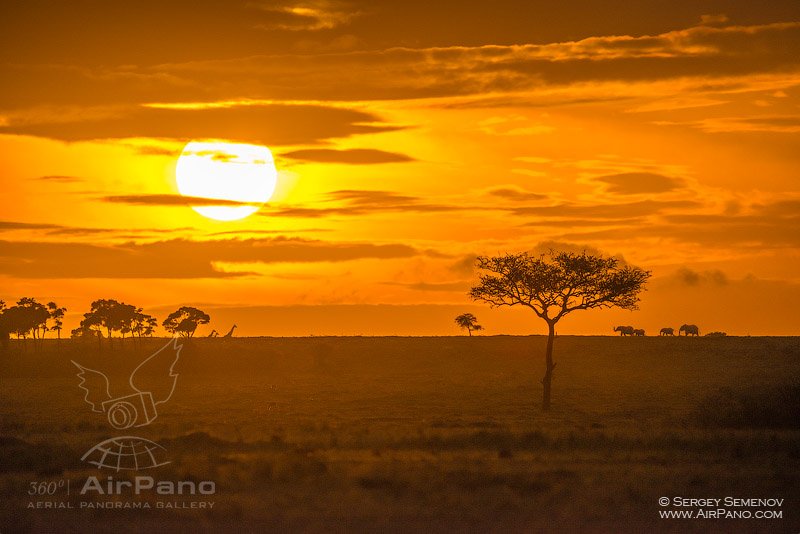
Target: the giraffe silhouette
(213, 333)
(230, 332)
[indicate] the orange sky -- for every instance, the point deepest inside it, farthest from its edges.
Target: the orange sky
(408, 139)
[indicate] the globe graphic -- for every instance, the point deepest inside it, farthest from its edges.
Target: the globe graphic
(126, 453)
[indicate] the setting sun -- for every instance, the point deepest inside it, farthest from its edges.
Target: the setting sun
(231, 172)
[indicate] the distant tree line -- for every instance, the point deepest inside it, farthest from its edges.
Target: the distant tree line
(109, 316)
(30, 318)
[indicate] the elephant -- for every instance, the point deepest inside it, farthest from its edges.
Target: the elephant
(624, 330)
(638, 332)
(667, 332)
(689, 330)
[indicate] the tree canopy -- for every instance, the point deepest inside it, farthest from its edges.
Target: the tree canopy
(57, 315)
(111, 315)
(185, 320)
(558, 283)
(468, 322)
(27, 317)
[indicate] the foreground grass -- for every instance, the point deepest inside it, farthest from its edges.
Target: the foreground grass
(442, 434)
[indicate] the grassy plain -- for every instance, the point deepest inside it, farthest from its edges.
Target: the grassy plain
(423, 434)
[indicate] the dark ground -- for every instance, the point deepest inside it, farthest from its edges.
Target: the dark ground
(421, 434)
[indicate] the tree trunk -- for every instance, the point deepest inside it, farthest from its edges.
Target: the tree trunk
(470, 331)
(547, 381)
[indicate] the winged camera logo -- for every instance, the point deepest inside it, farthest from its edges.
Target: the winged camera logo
(151, 384)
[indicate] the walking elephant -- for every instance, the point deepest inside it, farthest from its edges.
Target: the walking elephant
(667, 332)
(638, 332)
(689, 330)
(624, 330)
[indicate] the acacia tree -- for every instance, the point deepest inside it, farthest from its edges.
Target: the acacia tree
(150, 325)
(468, 322)
(57, 315)
(555, 284)
(123, 318)
(185, 320)
(91, 326)
(111, 315)
(103, 315)
(82, 332)
(27, 317)
(143, 324)
(32, 317)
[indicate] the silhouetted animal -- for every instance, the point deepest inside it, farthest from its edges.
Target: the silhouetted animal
(667, 332)
(638, 332)
(689, 330)
(624, 330)
(213, 333)
(230, 332)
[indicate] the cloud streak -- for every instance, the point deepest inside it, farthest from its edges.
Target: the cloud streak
(60, 179)
(354, 156)
(633, 183)
(267, 124)
(758, 227)
(516, 194)
(310, 15)
(177, 258)
(774, 124)
(612, 211)
(62, 230)
(167, 200)
(701, 52)
(362, 202)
